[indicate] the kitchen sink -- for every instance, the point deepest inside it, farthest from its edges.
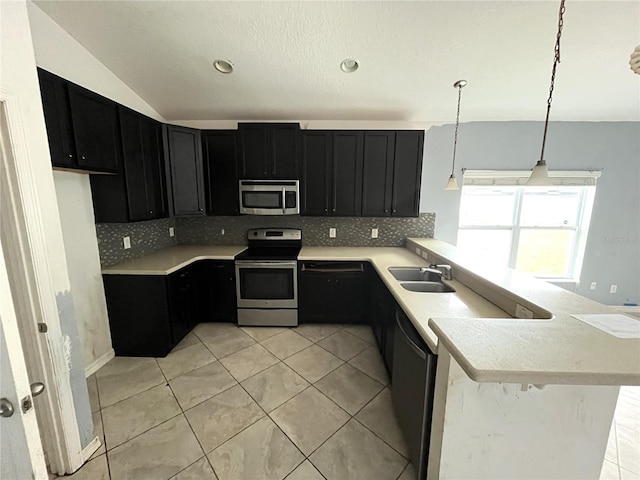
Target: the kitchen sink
(426, 286)
(414, 274)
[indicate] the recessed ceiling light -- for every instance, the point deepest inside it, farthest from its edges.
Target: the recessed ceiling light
(349, 65)
(223, 66)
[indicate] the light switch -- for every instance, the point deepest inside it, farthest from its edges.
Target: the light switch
(332, 233)
(126, 241)
(172, 232)
(613, 289)
(374, 233)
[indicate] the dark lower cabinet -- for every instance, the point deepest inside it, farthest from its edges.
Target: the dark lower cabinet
(382, 308)
(218, 291)
(333, 292)
(150, 314)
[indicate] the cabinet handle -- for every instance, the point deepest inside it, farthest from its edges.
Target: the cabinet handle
(386, 211)
(71, 155)
(333, 210)
(393, 211)
(326, 209)
(150, 211)
(83, 157)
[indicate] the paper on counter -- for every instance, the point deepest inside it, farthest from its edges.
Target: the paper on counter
(616, 324)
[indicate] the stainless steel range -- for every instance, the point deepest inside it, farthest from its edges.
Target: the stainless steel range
(267, 277)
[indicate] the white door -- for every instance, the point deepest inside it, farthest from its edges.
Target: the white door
(21, 454)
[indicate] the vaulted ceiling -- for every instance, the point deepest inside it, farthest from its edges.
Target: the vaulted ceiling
(286, 57)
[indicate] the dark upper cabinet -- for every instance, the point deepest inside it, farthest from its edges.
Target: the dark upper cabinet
(332, 173)
(82, 126)
(269, 150)
(185, 159)
(139, 192)
(219, 151)
(392, 173)
(317, 154)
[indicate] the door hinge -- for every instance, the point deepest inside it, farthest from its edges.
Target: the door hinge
(27, 404)
(42, 327)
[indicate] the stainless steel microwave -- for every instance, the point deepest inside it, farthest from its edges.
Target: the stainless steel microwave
(270, 197)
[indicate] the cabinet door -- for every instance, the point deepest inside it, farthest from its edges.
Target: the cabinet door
(221, 175)
(254, 163)
(350, 297)
(134, 168)
(377, 177)
(184, 302)
(223, 292)
(316, 297)
(154, 174)
(185, 158)
(407, 173)
(316, 172)
(347, 173)
(285, 151)
(95, 130)
(57, 116)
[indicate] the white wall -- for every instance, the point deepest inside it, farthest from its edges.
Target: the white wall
(57, 52)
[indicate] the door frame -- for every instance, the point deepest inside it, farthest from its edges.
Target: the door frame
(25, 247)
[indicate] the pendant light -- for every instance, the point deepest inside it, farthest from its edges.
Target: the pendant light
(540, 173)
(452, 184)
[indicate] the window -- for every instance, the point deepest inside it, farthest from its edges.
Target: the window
(538, 230)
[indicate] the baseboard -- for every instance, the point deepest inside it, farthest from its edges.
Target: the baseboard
(99, 363)
(90, 449)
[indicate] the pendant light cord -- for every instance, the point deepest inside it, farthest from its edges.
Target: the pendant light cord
(556, 61)
(455, 137)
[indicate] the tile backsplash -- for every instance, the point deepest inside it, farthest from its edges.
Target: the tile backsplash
(350, 231)
(147, 237)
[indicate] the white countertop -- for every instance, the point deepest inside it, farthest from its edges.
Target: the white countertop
(168, 260)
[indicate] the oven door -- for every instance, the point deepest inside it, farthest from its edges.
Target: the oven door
(267, 284)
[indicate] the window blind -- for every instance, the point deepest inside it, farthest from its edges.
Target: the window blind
(520, 177)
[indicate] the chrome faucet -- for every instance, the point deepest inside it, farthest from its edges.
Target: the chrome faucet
(444, 270)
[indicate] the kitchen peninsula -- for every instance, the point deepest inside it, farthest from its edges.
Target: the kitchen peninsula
(514, 398)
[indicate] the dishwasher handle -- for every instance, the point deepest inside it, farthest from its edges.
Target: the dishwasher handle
(400, 321)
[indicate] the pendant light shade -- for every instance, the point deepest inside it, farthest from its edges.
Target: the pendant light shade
(540, 174)
(452, 184)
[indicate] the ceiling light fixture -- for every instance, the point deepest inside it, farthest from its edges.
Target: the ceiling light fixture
(634, 61)
(223, 66)
(452, 184)
(540, 174)
(349, 65)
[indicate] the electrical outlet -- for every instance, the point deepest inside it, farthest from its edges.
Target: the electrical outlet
(523, 312)
(613, 289)
(425, 255)
(593, 285)
(332, 233)
(374, 233)
(126, 242)
(222, 231)
(418, 251)
(172, 232)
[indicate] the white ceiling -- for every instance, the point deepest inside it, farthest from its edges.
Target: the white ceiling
(286, 57)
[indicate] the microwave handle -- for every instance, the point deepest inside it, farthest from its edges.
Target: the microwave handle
(284, 200)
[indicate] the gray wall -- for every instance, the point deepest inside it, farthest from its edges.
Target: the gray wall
(612, 253)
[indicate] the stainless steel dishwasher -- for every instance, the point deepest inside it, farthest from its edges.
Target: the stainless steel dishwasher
(414, 371)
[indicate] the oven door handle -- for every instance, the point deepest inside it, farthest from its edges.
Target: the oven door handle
(284, 200)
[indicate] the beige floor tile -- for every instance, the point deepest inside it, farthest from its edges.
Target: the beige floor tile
(378, 416)
(309, 419)
(200, 470)
(137, 414)
(628, 412)
(628, 475)
(248, 362)
(157, 454)
(356, 453)
(628, 449)
(124, 377)
(212, 329)
(409, 473)
(201, 384)
(262, 333)
(189, 340)
(96, 469)
(98, 432)
(370, 362)
(313, 363)
(349, 388)
(261, 451)
(343, 345)
(185, 360)
(631, 391)
(94, 398)
(274, 386)
(316, 332)
(286, 344)
(228, 342)
(218, 419)
(609, 471)
(306, 471)
(363, 332)
(611, 453)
